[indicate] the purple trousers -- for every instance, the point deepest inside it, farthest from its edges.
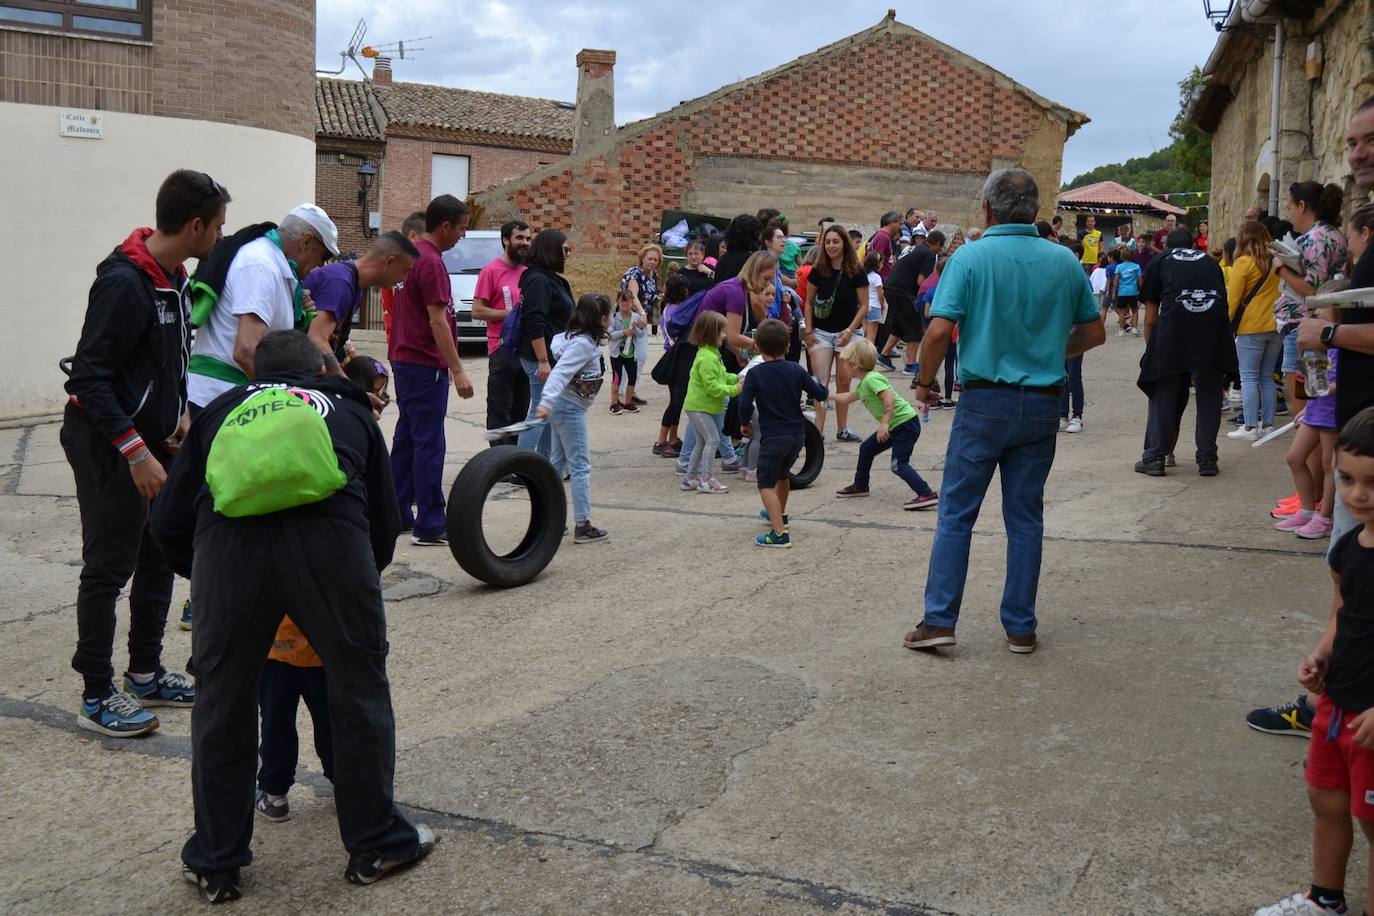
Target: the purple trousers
(418, 447)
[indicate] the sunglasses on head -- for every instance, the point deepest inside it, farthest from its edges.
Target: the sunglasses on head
(215, 190)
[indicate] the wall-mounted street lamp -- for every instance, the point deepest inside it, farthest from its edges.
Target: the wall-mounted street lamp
(366, 173)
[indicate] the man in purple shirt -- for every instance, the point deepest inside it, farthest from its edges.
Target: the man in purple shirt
(884, 241)
(337, 291)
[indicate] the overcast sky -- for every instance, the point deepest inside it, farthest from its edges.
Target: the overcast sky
(1122, 70)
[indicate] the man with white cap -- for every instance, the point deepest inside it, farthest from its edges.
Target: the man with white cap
(260, 292)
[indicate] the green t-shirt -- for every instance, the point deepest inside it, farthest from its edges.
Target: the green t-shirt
(870, 391)
(791, 253)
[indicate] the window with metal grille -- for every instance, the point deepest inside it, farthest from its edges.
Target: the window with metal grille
(111, 18)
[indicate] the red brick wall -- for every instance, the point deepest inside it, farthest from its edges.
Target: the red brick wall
(406, 172)
(336, 189)
(827, 112)
(248, 62)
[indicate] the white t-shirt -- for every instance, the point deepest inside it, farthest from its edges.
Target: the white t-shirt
(875, 283)
(260, 282)
(1098, 280)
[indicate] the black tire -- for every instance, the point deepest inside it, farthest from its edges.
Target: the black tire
(812, 459)
(548, 515)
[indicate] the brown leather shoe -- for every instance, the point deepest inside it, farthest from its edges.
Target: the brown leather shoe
(924, 637)
(1021, 645)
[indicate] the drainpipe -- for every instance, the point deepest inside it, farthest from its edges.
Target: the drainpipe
(1274, 118)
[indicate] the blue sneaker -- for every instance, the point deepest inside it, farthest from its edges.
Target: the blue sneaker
(773, 539)
(186, 615)
(910, 370)
(786, 520)
(167, 688)
(117, 715)
(886, 363)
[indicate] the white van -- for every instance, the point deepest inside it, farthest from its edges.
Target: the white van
(464, 261)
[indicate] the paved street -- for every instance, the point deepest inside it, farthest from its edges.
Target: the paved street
(676, 722)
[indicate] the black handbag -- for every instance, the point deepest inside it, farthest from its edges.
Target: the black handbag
(1254, 291)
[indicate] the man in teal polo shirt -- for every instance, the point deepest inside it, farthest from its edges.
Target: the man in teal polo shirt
(1022, 304)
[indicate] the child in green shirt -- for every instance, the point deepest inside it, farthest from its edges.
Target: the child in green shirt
(898, 427)
(708, 388)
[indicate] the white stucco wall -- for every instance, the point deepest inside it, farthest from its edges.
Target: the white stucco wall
(65, 203)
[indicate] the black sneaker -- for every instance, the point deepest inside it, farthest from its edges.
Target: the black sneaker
(186, 615)
(1151, 468)
(1237, 420)
(615, 408)
(1207, 467)
(275, 811)
(369, 868)
(638, 401)
(845, 435)
(587, 533)
(430, 540)
(629, 407)
(1289, 719)
(215, 887)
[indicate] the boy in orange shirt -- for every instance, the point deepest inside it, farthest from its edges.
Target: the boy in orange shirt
(293, 672)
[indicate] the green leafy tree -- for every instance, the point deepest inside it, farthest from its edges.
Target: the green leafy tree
(1184, 165)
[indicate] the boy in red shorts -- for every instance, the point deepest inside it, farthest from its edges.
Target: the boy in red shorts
(1340, 761)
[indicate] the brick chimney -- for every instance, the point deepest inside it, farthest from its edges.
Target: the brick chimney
(381, 71)
(595, 99)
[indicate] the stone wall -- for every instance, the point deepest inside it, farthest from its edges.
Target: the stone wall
(796, 139)
(1312, 147)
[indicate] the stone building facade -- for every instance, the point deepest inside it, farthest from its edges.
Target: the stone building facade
(218, 85)
(1327, 69)
(793, 138)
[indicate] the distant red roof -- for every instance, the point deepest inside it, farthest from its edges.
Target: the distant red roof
(1111, 194)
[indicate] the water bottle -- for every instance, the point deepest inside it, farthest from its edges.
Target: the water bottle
(1315, 366)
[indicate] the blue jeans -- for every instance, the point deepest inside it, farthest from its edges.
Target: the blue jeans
(1073, 385)
(418, 446)
(994, 428)
(540, 438)
(902, 440)
(568, 428)
(1259, 356)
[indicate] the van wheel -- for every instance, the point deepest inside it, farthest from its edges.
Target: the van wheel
(811, 460)
(548, 515)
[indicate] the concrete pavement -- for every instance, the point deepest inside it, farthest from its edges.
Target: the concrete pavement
(675, 721)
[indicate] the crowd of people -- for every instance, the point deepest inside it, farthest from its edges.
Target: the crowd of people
(228, 419)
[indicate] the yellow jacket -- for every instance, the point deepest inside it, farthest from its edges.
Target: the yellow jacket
(1259, 313)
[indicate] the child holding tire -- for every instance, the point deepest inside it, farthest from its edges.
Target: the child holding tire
(773, 389)
(898, 427)
(572, 386)
(708, 388)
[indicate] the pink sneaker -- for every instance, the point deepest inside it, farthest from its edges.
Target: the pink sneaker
(1319, 526)
(1295, 521)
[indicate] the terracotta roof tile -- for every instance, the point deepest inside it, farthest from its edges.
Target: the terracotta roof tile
(425, 105)
(342, 110)
(1111, 194)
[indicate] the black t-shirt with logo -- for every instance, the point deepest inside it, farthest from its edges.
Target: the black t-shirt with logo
(1193, 333)
(1355, 371)
(846, 305)
(1350, 679)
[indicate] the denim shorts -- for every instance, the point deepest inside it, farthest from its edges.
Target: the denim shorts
(875, 313)
(1290, 350)
(827, 340)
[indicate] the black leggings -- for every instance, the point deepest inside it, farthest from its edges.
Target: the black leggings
(627, 365)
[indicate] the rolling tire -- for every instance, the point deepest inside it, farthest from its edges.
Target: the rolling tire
(812, 459)
(548, 515)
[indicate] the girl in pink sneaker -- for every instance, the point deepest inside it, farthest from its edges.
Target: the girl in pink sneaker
(1316, 494)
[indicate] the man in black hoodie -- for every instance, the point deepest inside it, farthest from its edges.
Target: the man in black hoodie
(321, 560)
(124, 420)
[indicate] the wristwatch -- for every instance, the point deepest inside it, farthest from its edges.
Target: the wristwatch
(1328, 334)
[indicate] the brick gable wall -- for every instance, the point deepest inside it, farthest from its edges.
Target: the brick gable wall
(844, 109)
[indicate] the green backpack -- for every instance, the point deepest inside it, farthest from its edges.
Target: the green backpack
(273, 452)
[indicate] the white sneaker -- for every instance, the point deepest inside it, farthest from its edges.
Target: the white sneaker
(1133, 329)
(1121, 332)
(1063, 424)
(1297, 905)
(1245, 433)
(1075, 426)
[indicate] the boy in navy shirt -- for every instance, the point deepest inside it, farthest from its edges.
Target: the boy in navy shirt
(1340, 760)
(775, 386)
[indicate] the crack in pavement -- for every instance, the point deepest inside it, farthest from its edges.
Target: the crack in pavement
(31, 616)
(824, 896)
(9, 484)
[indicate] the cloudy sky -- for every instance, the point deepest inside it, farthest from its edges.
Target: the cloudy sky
(1122, 69)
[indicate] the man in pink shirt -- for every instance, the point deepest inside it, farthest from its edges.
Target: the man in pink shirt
(498, 291)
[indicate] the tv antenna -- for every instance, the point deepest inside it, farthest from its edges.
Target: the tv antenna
(356, 48)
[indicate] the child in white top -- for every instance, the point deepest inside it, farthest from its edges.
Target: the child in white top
(877, 298)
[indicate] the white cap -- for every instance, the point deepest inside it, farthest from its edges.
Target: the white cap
(319, 221)
(920, 230)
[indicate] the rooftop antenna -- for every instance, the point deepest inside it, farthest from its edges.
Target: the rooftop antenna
(356, 48)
